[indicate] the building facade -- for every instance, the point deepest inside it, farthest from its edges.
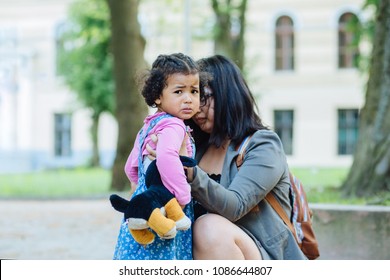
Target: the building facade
(42, 125)
(299, 64)
(310, 89)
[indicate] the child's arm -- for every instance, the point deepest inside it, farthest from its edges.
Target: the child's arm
(171, 170)
(131, 166)
(152, 152)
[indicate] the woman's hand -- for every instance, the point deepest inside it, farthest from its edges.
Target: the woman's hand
(152, 153)
(133, 186)
(183, 148)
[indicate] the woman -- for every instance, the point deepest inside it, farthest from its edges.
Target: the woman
(239, 223)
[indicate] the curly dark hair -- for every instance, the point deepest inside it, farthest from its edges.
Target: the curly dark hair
(164, 66)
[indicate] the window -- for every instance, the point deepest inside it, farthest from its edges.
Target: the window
(62, 135)
(348, 124)
(284, 44)
(348, 51)
(284, 120)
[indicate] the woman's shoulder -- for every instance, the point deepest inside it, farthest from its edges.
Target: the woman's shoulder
(265, 136)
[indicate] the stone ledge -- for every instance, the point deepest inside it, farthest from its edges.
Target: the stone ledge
(352, 232)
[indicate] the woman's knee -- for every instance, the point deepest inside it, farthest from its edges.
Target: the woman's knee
(207, 229)
(212, 232)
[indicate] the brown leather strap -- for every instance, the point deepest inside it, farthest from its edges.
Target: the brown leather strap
(241, 151)
(270, 196)
(279, 209)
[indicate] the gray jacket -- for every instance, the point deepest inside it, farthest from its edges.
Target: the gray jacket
(239, 192)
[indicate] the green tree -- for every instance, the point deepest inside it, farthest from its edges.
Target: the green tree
(365, 32)
(85, 61)
(128, 47)
(370, 171)
(229, 29)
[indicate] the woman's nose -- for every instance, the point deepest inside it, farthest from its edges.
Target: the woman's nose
(202, 111)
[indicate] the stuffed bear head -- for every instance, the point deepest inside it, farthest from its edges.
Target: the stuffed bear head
(135, 208)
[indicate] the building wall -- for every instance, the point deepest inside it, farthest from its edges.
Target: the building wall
(31, 93)
(316, 88)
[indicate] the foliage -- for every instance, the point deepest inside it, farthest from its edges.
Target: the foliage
(84, 58)
(85, 62)
(365, 33)
(229, 29)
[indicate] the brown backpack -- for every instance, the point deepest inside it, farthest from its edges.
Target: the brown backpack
(301, 215)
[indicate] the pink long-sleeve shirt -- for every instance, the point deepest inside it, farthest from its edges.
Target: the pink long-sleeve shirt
(170, 132)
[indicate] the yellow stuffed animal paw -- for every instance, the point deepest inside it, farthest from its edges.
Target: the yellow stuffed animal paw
(175, 213)
(142, 236)
(164, 227)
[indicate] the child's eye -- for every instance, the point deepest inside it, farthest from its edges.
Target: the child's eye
(178, 91)
(195, 91)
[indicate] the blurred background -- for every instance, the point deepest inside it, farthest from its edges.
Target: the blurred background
(70, 107)
(57, 87)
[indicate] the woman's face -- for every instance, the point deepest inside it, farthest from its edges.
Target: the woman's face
(205, 118)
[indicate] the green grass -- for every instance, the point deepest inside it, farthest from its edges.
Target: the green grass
(56, 183)
(322, 185)
(321, 178)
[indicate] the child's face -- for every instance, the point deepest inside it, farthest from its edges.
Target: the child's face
(180, 97)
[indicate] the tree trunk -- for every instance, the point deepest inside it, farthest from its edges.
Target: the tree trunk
(370, 171)
(95, 159)
(128, 49)
(230, 29)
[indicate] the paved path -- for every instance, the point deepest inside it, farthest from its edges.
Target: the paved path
(58, 229)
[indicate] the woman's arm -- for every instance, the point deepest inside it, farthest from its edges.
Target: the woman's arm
(263, 168)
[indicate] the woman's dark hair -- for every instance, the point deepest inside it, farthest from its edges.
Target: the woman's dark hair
(235, 109)
(165, 65)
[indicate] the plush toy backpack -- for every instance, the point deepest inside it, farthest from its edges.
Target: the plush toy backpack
(156, 208)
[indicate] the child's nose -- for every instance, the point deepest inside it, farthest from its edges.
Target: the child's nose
(187, 97)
